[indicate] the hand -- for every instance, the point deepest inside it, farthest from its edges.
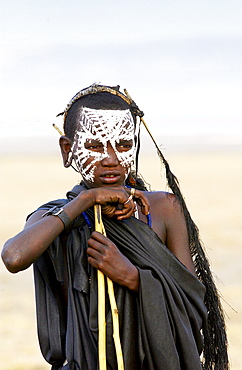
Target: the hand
(117, 202)
(105, 256)
(140, 198)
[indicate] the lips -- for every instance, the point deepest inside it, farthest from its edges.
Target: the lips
(110, 177)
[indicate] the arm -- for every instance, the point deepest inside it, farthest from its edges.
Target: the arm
(27, 246)
(170, 225)
(176, 232)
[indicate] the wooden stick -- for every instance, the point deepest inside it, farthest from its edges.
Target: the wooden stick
(114, 309)
(116, 335)
(101, 302)
(57, 129)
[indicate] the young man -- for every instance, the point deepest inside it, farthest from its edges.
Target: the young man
(148, 253)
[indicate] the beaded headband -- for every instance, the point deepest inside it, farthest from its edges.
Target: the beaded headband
(94, 88)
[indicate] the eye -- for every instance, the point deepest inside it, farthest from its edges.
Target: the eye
(94, 145)
(124, 145)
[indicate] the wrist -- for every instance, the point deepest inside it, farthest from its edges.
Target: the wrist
(133, 283)
(60, 213)
(81, 203)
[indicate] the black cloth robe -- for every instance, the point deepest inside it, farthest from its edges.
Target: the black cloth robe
(160, 326)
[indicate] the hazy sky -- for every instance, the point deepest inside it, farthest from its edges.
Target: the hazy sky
(180, 61)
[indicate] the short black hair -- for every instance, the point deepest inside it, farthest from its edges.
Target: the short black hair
(100, 100)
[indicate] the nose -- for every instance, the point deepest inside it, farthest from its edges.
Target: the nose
(111, 160)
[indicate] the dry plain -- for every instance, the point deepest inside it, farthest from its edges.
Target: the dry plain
(212, 184)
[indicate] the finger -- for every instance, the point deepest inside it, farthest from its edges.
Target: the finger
(101, 253)
(145, 208)
(97, 242)
(96, 235)
(129, 199)
(109, 210)
(142, 202)
(93, 262)
(93, 253)
(97, 263)
(125, 207)
(131, 192)
(126, 211)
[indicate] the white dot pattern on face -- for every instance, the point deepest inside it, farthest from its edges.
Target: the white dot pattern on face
(103, 126)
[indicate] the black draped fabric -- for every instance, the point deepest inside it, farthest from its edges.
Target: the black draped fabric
(159, 326)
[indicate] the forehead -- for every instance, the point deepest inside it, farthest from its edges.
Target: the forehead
(101, 121)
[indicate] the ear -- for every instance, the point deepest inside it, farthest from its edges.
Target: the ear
(65, 145)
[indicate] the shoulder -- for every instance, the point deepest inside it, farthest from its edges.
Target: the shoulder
(170, 225)
(166, 209)
(163, 201)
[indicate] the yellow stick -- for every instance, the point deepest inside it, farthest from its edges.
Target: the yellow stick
(114, 309)
(57, 129)
(101, 322)
(101, 302)
(116, 335)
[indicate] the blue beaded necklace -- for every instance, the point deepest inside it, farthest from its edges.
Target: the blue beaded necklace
(87, 219)
(89, 224)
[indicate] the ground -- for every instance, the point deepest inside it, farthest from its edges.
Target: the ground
(211, 183)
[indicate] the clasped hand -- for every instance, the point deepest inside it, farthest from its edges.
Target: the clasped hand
(105, 256)
(116, 202)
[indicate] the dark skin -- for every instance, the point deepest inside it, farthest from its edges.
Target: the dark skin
(107, 190)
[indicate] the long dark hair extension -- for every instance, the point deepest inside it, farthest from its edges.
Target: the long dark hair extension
(215, 354)
(215, 338)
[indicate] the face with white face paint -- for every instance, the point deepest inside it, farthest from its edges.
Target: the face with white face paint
(100, 132)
